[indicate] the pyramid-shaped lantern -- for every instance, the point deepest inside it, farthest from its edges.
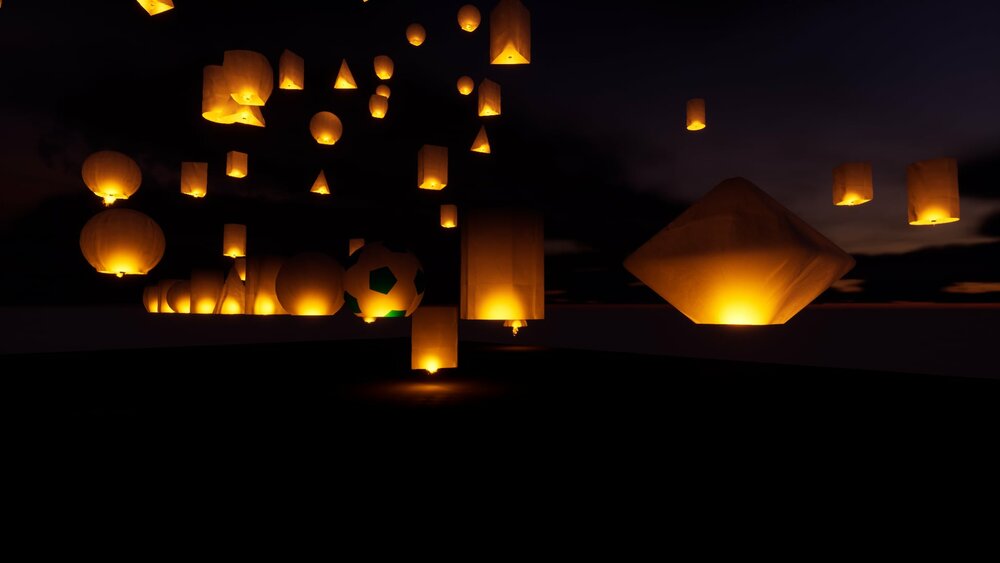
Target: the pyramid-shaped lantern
(321, 186)
(738, 257)
(345, 80)
(510, 34)
(482, 142)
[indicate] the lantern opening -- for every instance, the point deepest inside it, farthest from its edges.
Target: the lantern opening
(515, 325)
(369, 320)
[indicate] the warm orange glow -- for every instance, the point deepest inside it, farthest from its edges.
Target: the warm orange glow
(206, 290)
(311, 284)
(194, 178)
(111, 175)
(369, 320)
(163, 295)
(234, 240)
(449, 216)
(122, 241)
(354, 245)
(510, 34)
(384, 67)
(218, 106)
(489, 98)
(260, 294)
(696, 114)
(179, 297)
(154, 7)
(482, 143)
(465, 85)
(240, 265)
(378, 106)
(151, 298)
(852, 183)
(291, 71)
(515, 326)
(432, 167)
(321, 186)
(383, 282)
(434, 338)
(932, 192)
(249, 77)
(383, 90)
(326, 128)
(416, 34)
(469, 18)
(345, 80)
(237, 164)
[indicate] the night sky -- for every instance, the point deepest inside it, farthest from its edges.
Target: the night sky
(592, 132)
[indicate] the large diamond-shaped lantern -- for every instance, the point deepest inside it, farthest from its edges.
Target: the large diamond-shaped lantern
(737, 256)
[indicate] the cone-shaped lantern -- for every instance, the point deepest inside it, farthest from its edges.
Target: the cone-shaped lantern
(345, 80)
(261, 297)
(354, 245)
(234, 240)
(326, 128)
(489, 98)
(311, 284)
(122, 241)
(383, 282)
(416, 34)
(739, 257)
(449, 216)
(111, 175)
(432, 167)
(291, 71)
(696, 114)
(154, 7)
(249, 77)
(503, 266)
(510, 34)
(151, 298)
(206, 289)
(321, 186)
(852, 183)
(179, 297)
(383, 67)
(232, 299)
(383, 90)
(194, 178)
(932, 192)
(469, 18)
(237, 164)
(434, 338)
(378, 106)
(465, 85)
(482, 142)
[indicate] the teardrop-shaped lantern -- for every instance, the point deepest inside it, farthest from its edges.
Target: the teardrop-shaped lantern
(383, 90)
(469, 18)
(111, 175)
(378, 106)
(384, 67)
(465, 85)
(326, 128)
(416, 34)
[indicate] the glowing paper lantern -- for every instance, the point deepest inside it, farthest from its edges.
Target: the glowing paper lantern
(249, 77)
(154, 7)
(234, 240)
(236, 164)
(291, 71)
(852, 183)
(383, 90)
(326, 128)
(737, 256)
(469, 18)
(696, 114)
(345, 80)
(320, 186)
(416, 34)
(163, 295)
(179, 297)
(194, 178)
(111, 175)
(432, 167)
(354, 245)
(122, 241)
(206, 289)
(489, 98)
(232, 299)
(434, 338)
(260, 296)
(383, 67)
(240, 265)
(311, 284)
(932, 192)
(465, 85)
(449, 216)
(503, 266)
(378, 106)
(218, 106)
(482, 142)
(151, 298)
(510, 34)
(383, 282)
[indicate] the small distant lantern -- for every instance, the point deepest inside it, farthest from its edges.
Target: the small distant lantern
(354, 245)
(434, 338)
(321, 186)
(111, 175)
(194, 179)
(932, 192)
(469, 18)
(179, 297)
(206, 289)
(236, 164)
(345, 80)
(291, 71)
(852, 183)
(482, 142)
(260, 294)
(449, 216)
(122, 241)
(510, 34)
(489, 98)
(311, 284)
(234, 240)
(326, 128)
(696, 114)
(154, 7)
(383, 90)
(416, 34)
(465, 85)
(432, 167)
(249, 77)
(383, 67)
(378, 106)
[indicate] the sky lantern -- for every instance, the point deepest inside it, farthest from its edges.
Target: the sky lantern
(154, 7)
(449, 216)
(151, 298)
(489, 98)
(194, 179)
(345, 80)
(383, 282)
(469, 18)
(291, 71)
(432, 167)
(240, 265)
(218, 106)
(321, 186)
(696, 114)
(383, 67)
(434, 338)
(234, 240)
(232, 298)
(416, 34)
(354, 245)
(261, 297)
(249, 77)
(510, 34)
(482, 143)
(852, 183)
(236, 164)
(932, 192)
(163, 295)
(738, 257)
(179, 297)
(465, 85)
(122, 241)
(503, 267)
(326, 128)
(111, 175)
(206, 289)
(311, 284)
(378, 106)
(383, 90)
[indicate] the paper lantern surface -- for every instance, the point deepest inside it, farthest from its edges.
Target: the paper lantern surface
(321, 186)
(465, 85)
(378, 106)
(383, 281)
(111, 175)
(151, 298)
(354, 245)
(260, 294)
(291, 71)
(237, 164)
(163, 295)
(232, 298)
(696, 114)
(154, 7)
(416, 34)
(737, 256)
(384, 67)
(449, 216)
(432, 167)
(122, 241)
(194, 178)
(489, 98)
(179, 297)
(852, 183)
(311, 284)
(234, 240)
(434, 338)
(249, 77)
(206, 289)
(240, 265)
(345, 80)
(469, 18)
(482, 143)
(383, 90)
(932, 192)
(326, 128)
(510, 34)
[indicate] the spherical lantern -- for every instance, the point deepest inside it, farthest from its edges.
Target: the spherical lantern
(466, 85)
(384, 67)
(383, 90)
(416, 34)
(122, 241)
(383, 281)
(179, 297)
(326, 128)
(111, 175)
(311, 284)
(469, 18)
(378, 106)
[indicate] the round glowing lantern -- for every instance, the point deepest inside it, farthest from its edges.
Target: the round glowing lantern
(311, 284)
(111, 175)
(383, 282)
(326, 128)
(416, 34)
(122, 241)
(466, 85)
(378, 106)
(469, 18)
(384, 67)
(179, 297)
(151, 298)
(383, 90)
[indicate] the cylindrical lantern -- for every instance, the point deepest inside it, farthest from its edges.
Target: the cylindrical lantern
(345, 80)
(236, 164)
(291, 71)
(234, 240)
(510, 34)
(383, 67)
(321, 186)
(194, 178)
(383, 282)
(696, 114)
(852, 183)
(122, 241)
(932, 191)
(449, 216)
(503, 266)
(378, 106)
(489, 98)
(416, 34)
(232, 299)
(354, 245)
(469, 18)
(206, 288)
(163, 295)
(383, 90)
(465, 85)
(154, 7)
(311, 284)
(240, 265)
(482, 143)
(179, 297)
(249, 77)
(432, 167)
(326, 128)
(434, 338)
(111, 175)
(151, 298)
(261, 298)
